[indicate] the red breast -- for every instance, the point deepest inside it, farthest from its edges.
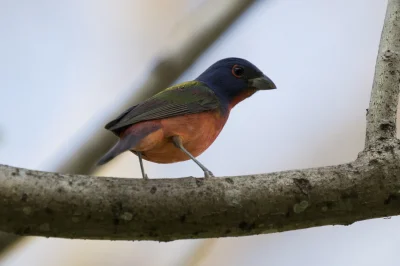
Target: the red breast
(197, 131)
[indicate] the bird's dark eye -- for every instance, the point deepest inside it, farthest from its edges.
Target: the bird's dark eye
(237, 71)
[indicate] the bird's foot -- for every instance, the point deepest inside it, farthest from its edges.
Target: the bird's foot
(145, 177)
(208, 174)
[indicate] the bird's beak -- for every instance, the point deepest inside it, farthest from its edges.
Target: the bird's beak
(262, 83)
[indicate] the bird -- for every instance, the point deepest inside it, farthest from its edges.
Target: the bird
(181, 122)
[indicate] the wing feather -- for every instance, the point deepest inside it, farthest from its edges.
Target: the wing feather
(185, 98)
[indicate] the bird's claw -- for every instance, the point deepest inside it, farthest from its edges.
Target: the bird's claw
(208, 174)
(145, 177)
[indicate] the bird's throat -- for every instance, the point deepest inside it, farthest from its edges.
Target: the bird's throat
(243, 95)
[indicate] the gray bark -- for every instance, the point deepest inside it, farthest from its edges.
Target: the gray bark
(74, 206)
(381, 117)
(77, 206)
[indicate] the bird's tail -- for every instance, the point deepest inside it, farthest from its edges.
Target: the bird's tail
(122, 145)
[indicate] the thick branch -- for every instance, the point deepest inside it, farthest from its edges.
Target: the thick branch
(381, 117)
(73, 206)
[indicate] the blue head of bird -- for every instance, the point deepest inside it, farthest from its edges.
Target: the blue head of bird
(235, 78)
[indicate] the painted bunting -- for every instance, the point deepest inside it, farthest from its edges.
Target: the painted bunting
(182, 121)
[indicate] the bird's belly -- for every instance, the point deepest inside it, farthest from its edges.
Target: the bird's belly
(197, 132)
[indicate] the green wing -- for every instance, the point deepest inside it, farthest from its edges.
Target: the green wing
(185, 98)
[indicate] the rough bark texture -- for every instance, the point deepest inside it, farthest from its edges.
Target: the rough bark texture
(381, 117)
(77, 206)
(73, 206)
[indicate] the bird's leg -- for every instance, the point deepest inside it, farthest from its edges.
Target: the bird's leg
(139, 154)
(178, 143)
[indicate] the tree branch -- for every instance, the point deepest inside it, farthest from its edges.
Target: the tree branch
(381, 117)
(77, 206)
(74, 206)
